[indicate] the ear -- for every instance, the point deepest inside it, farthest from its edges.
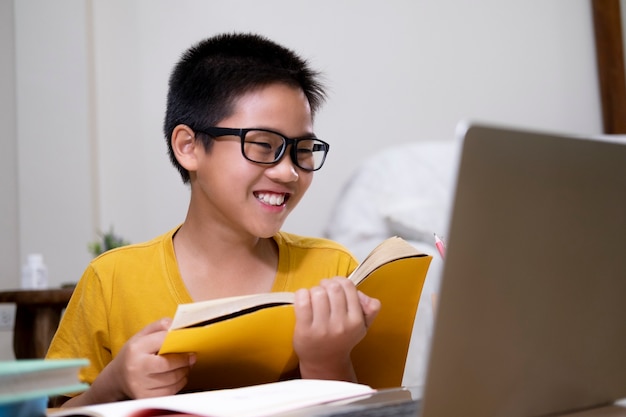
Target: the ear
(184, 146)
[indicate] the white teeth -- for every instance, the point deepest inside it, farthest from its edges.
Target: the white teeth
(272, 199)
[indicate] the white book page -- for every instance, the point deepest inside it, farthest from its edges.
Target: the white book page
(254, 401)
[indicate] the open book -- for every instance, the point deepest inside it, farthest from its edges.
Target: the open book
(254, 401)
(247, 340)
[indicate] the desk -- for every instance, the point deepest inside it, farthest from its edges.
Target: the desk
(37, 317)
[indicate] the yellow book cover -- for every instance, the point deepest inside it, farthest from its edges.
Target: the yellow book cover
(247, 340)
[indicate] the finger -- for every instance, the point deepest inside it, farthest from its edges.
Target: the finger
(171, 362)
(337, 298)
(371, 306)
(353, 309)
(171, 368)
(164, 392)
(166, 376)
(303, 308)
(168, 384)
(352, 296)
(320, 305)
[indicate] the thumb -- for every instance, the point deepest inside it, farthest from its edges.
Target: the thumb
(155, 327)
(150, 338)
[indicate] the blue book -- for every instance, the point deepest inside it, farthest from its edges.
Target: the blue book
(26, 384)
(34, 407)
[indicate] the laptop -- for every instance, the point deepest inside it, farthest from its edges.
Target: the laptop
(531, 317)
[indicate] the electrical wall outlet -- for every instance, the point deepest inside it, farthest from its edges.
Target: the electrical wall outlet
(7, 316)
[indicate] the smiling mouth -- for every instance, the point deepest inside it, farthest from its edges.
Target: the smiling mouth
(272, 199)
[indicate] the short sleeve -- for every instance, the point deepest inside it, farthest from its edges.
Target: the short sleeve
(84, 330)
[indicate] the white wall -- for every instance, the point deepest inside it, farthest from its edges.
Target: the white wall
(92, 78)
(53, 136)
(398, 71)
(9, 250)
(8, 156)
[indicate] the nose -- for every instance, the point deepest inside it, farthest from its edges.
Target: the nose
(284, 170)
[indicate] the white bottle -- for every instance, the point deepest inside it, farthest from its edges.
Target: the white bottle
(34, 273)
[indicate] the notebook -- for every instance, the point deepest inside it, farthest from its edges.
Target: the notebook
(531, 317)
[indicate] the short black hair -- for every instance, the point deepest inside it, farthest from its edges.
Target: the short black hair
(214, 73)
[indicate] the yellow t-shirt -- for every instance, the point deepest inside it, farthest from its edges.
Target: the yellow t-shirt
(125, 289)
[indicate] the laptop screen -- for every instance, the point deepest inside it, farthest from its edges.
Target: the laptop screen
(532, 307)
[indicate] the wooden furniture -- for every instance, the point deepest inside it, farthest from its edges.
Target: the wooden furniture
(610, 61)
(37, 317)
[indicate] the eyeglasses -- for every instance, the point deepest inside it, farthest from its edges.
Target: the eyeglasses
(265, 146)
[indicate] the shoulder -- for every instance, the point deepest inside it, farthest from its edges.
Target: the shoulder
(144, 262)
(137, 252)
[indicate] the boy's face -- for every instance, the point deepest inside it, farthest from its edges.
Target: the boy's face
(245, 196)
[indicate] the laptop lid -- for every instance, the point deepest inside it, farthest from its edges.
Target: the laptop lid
(531, 317)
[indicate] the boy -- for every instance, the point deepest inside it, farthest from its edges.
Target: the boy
(239, 128)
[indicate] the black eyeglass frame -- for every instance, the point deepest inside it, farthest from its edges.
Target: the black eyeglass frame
(241, 133)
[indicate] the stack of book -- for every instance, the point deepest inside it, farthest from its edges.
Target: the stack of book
(27, 384)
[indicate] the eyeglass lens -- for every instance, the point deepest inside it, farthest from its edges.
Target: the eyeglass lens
(268, 147)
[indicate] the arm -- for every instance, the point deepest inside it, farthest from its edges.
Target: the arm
(138, 372)
(330, 320)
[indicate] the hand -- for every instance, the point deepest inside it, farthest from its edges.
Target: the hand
(330, 320)
(138, 372)
(141, 373)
